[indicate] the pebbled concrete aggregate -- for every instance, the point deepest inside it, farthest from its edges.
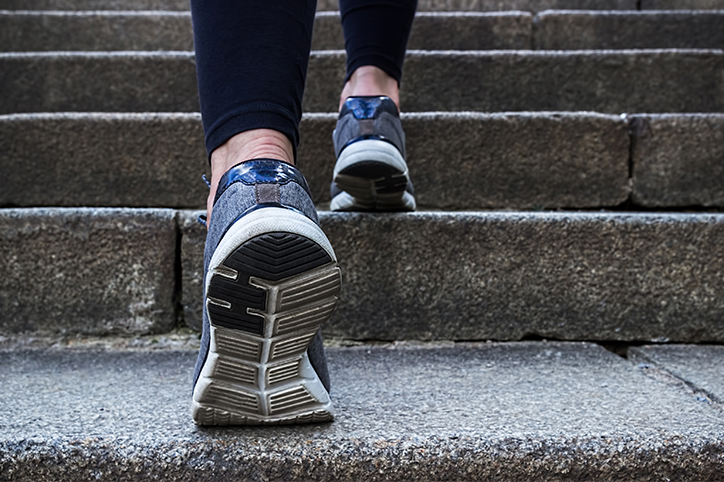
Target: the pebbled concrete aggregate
(87, 271)
(522, 411)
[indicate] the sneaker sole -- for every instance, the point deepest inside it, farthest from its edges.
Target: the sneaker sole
(272, 281)
(373, 177)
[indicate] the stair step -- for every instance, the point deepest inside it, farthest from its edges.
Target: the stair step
(87, 271)
(556, 30)
(507, 276)
(604, 81)
(423, 5)
(149, 30)
(425, 275)
(458, 160)
(517, 411)
(472, 160)
(573, 30)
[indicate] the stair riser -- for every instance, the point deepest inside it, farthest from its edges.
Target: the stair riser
(87, 271)
(508, 276)
(612, 82)
(555, 30)
(98, 31)
(458, 161)
(622, 30)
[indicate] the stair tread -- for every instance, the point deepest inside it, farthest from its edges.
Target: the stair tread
(517, 411)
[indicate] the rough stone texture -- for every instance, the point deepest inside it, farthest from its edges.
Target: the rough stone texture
(98, 30)
(698, 366)
(507, 276)
(87, 271)
(524, 411)
(445, 31)
(490, 161)
(322, 5)
(571, 30)
(478, 161)
(605, 81)
(498, 5)
(678, 160)
(102, 160)
(682, 5)
(90, 31)
(193, 239)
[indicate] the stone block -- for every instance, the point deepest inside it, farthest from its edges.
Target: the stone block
(698, 367)
(494, 81)
(515, 411)
(444, 31)
(479, 161)
(678, 160)
(682, 4)
(473, 161)
(172, 5)
(94, 31)
(571, 30)
(87, 271)
(122, 160)
(193, 239)
(508, 276)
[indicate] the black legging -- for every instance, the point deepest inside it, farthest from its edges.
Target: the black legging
(252, 57)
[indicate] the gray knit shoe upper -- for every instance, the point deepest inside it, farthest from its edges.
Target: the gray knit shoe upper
(270, 281)
(371, 173)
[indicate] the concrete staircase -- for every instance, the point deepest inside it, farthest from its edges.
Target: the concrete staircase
(554, 311)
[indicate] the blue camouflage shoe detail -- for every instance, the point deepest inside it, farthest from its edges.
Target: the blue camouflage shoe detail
(270, 281)
(371, 173)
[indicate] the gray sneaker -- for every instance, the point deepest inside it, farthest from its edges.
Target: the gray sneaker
(270, 280)
(370, 173)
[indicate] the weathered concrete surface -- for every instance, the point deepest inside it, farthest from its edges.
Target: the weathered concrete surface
(87, 271)
(473, 161)
(700, 366)
(96, 30)
(120, 160)
(193, 239)
(678, 160)
(445, 31)
(502, 5)
(602, 81)
(172, 5)
(682, 5)
(108, 30)
(506, 276)
(524, 411)
(478, 161)
(573, 30)
(322, 5)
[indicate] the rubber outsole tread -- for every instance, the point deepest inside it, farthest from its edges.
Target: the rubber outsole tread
(257, 370)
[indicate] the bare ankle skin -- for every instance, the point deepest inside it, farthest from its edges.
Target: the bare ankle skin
(370, 80)
(254, 144)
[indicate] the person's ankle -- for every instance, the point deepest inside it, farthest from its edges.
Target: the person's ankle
(370, 80)
(245, 146)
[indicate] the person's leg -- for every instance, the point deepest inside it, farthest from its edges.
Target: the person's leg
(371, 172)
(270, 274)
(251, 60)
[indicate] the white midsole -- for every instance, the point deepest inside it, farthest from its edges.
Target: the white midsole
(263, 221)
(370, 150)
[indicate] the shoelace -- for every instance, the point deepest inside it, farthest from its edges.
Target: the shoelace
(201, 219)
